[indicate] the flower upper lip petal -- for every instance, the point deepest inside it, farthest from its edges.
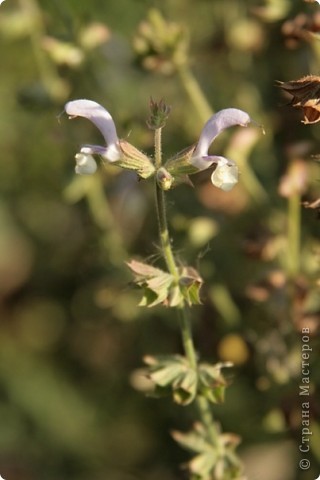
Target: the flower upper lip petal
(216, 124)
(101, 118)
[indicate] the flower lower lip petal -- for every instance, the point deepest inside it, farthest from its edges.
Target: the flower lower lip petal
(85, 164)
(225, 177)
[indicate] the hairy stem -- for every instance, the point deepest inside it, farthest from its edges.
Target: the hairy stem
(162, 214)
(184, 319)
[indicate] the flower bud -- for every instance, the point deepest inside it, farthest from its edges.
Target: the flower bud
(161, 46)
(159, 114)
(164, 179)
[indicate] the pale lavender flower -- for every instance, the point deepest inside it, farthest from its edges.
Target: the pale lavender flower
(104, 122)
(225, 175)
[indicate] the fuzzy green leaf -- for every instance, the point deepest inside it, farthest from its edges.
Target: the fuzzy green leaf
(174, 372)
(212, 461)
(156, 283)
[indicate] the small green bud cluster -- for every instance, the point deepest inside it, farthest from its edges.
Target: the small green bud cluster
(159, 114)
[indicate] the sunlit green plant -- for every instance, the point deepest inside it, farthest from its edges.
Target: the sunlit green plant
(186, 378)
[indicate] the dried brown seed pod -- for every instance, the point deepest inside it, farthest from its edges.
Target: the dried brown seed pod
(306, 95)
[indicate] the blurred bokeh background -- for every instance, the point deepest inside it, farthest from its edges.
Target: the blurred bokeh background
(72, 337)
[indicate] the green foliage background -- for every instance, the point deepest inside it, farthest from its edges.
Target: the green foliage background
(71, 334)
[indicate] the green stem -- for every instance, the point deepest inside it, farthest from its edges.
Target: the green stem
(47, 71)
(251, 183)
(162, 214)
(187, 339)
(190, 352)
(104, 219)
(207, 419)
(294, 222)
(184, 320)
(194, 92)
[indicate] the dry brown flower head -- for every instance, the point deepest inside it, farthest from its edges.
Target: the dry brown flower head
(306, 95)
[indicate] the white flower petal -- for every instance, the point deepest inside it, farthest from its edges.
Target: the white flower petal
(85, 164)
(225, 176)
(102, 119)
